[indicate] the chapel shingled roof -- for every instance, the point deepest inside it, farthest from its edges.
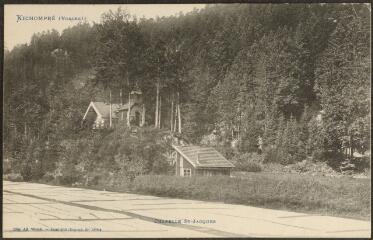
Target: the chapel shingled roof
(104, 108)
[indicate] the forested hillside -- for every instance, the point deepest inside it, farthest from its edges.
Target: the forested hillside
(296, 76)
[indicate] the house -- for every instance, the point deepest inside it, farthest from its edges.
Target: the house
(98, 114)
(202, 161)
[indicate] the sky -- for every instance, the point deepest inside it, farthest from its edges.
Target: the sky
(21, 21)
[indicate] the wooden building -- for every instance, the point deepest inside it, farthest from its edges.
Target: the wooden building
(98, 114)
(203, 161)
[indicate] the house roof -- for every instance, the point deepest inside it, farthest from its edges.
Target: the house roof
(124, 106)
(203, 157)
(103, 109)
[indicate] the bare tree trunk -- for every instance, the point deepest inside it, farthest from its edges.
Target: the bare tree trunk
(178, 110)
(175, 119)
(351, 148)
(86, 179)
(129, 99)
(25, 130)
(110, 112)
(15, 131)
(143, 115)
(157, 106)
(239, 127)
(172, 113)
(129, 109)
(160, 112)
(266, 108)
(238, 132)
(121, 104)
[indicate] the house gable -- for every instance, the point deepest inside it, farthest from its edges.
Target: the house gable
(118, 113)
(183, 155)
(91, 105)
(103, 109)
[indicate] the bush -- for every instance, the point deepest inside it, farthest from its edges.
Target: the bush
(342, 196)
(362, 163)
(333, 159)
(249, 162)
(226, 150)
(270, 155)
(48, 177)
(142, 153)
(278, 155)
(15, 177)
(251, 166)
(7, 165)
(26, 171)
(67, 180)
(66, 173)
(37, 171)
(76, 159)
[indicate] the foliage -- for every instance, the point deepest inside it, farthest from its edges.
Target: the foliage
(249, 162)
(342, 82)
(286, 81)
(109, 157)
(339, 197)
(7, 165)
(14, 177)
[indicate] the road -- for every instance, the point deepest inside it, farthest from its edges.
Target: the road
(38, 210)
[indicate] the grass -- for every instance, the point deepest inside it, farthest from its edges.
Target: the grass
(340, 197)
(343, 197)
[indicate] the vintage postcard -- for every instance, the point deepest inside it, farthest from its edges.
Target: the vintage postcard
(187, 120)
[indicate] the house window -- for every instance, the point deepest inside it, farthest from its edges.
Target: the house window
(187, 172)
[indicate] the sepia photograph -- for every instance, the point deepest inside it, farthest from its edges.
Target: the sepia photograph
(239, 120)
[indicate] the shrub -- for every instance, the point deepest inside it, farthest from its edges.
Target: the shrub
(300, 166)
(278, 155)
(249, 162)
(67, 180)
(26, 171)
(270, 155)
(66, 173)
(94, 180)
(37, 171)
(287, 191)
(362, 163)
(251, 166)
(333, 158)
(211, 140)
(7, 165)
(31, 165)
(48, 177)
(15, 177)
(141, 153)
(226, 150)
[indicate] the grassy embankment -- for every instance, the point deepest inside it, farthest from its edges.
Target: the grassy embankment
(343, 197)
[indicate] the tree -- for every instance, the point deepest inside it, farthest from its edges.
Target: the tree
(343, 78)
(119, 52)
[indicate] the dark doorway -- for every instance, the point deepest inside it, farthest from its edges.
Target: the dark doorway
(137, 118)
